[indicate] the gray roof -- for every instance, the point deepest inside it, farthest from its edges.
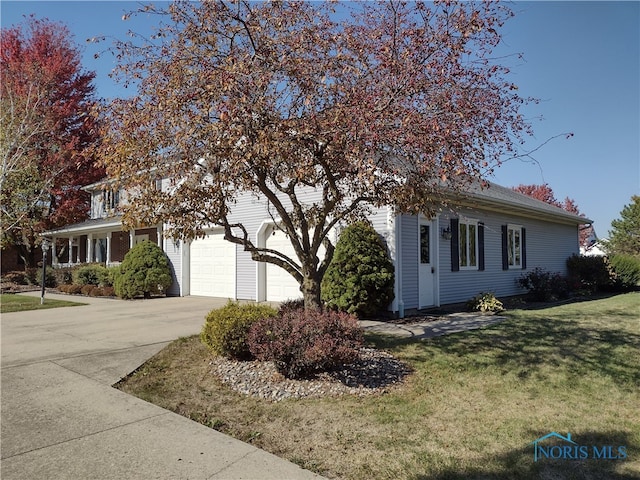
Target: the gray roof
(502, 199)
(88, 226)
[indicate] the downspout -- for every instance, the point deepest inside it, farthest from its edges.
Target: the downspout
(398, 233)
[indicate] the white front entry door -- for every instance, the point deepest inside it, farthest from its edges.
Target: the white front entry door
(426, 263)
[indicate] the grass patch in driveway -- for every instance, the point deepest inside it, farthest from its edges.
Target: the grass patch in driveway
(471, 409)
(11, 302)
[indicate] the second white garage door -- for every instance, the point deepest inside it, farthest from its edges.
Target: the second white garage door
(213, 267)
(281, 285)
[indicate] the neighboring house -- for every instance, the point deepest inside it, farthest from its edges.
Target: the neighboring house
(101, 238)
(594, 246)
(482, 241)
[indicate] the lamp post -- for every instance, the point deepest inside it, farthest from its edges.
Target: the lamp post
(46, 243)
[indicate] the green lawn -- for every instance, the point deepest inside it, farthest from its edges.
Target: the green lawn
(470, 410)
(10, 302)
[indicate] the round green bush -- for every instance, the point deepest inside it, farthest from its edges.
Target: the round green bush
(225, 330)
(92, 274)
(626, 271)
(361, 276)
(143, 272)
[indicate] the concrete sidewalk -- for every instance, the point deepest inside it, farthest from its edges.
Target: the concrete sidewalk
(61, 419)
(445, 325)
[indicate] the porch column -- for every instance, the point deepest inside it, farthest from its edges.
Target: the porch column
(108, 259)
(159, 235)
(54, 255)
(70, 247)
(132, 238)
(90, 248)
(78, 259)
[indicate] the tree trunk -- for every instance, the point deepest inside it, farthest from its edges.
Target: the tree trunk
(311, 291)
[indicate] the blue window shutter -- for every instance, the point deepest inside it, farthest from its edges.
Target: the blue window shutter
(480, 246)
(523, 246)
(455, 245)
(505, 247)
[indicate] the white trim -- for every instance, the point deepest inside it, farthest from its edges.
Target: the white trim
(261, 267)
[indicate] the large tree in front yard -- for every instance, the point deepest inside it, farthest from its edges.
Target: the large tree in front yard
(47, 130)
(371, 104)
(624, 236)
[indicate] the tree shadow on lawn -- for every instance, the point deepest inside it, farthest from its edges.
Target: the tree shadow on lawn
(519, 463)
(524, 346)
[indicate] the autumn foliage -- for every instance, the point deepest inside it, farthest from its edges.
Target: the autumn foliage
(365, 103)
(544, 193)
(48, 130)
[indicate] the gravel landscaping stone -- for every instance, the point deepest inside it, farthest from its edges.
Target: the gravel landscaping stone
(375, 372)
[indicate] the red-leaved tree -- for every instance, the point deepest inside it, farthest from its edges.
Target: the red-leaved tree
(544, 193)
(48, 132)
(364, 103)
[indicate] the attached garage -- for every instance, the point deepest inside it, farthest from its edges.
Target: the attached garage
(213, 266)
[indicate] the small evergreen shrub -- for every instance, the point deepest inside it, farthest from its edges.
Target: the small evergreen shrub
(544, 286)
(590, 273)
(361, 275)
(626, 272)
(50, 278)
(485, 302)
(302, 343)
(92, 274)
(144, 272)
(225, 330)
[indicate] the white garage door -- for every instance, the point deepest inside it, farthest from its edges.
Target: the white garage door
(281, 285)
(213, 267)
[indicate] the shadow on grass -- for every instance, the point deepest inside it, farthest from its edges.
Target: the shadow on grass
(520, 463)
(526, 345)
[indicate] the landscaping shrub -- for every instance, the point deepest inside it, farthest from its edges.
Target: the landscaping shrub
(108, 292)
(626, 272)
(225, 330)
(92, 274)
(485, 302)
(87, 289)
(544, 286)
(143, 272)
(290, 306)
(16, 277)
(590, 273)
(302, 343)
(71, 289)
(360, 277)
(50, 278)
(31, 275)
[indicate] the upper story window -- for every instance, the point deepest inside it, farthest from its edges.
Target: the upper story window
(468, 243)
(110, 200)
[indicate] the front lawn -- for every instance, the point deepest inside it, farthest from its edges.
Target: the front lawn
(471, 409)
(10, 302)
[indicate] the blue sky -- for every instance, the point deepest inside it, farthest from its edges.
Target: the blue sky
(582, 59)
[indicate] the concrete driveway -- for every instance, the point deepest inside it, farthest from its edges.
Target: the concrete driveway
(62, 420)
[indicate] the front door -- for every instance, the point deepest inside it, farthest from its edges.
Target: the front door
(427, 263)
